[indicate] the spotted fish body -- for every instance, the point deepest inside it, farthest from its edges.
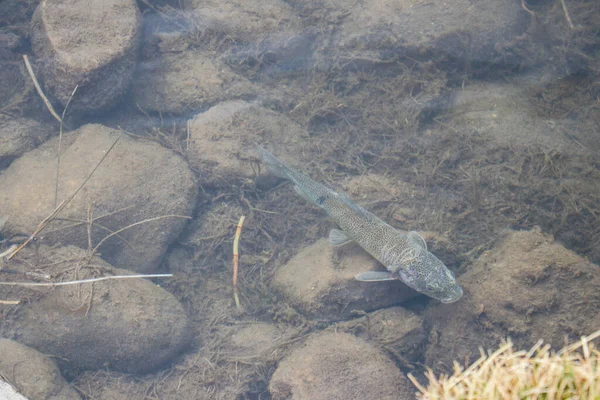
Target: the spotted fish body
(404, 254)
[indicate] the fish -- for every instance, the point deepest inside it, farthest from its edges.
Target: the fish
(404, 254)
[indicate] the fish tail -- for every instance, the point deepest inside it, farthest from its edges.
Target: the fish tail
(307, 188)
(275, 165)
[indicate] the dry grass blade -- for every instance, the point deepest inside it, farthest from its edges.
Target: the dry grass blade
(90, 280)
(10, 302)
(60, 134)
(132, 226)
(567, 16)
(572, 373)
(39, 89)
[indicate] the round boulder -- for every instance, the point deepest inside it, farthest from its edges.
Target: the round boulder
(528, 288)
(32, 373)
(130, 325)
(137, 181)
(340, 366)
(321, 286)
(91, 44)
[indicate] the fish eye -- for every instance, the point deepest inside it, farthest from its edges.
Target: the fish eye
(430, 287)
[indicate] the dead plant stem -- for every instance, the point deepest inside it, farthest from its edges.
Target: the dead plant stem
(39, 89)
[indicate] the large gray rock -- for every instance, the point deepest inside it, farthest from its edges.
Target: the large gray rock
(188, 81)
(32, 373)
(528, 288)
(507, 114)
(322, 287)
(138, 180)
(130, 325)
(376, 32)
(90, 43)
(338, 366)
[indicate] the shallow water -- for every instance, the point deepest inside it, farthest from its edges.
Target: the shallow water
(475, 125)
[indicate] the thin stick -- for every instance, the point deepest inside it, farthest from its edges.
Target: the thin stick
(63, 204)
(60, 133)
(39, 89)
(134, 225)
(527, 9)
(236, 244)
(10, 302)
(568, 18)
(104, 278)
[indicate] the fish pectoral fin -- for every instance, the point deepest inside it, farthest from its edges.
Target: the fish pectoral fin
(417, 239)
(375, 276)
(338, 238)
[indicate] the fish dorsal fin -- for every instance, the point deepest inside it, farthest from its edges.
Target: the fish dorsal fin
(417, 239)
(355, 207)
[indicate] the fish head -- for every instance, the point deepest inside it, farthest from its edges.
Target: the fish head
(427, 274)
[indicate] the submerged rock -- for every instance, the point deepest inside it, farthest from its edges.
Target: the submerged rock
(395, 329)
(130, 325)
(20, 135)
(190, 81)
(507, 115)
(332, 366)
(138, 180)
(222, 139)
(266, 35)
(321, 287)
(32, 373)
(244, 21)
(96, 50)
(528, 287)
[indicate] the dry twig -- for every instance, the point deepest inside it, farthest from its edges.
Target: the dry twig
(90, 280)
(60, 134)
(39, 89)
(236, 244)
(566, 11)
